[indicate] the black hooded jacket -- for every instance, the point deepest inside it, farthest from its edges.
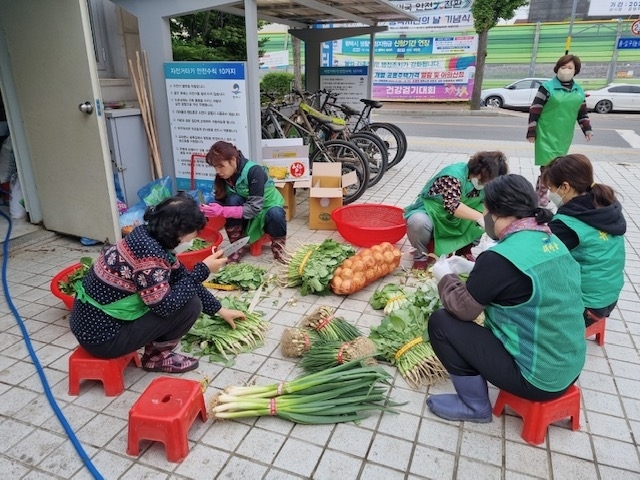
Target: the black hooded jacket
(607, 219)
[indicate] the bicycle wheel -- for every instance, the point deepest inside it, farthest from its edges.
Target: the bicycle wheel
(352, 159)
(403, 139)
(376, 153)
(396, 148)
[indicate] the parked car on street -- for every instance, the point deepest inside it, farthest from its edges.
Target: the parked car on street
(616, 96)
(518, 94)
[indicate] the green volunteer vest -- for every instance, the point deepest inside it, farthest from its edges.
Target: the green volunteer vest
(128, 308)
(272, 198)
(449, 233)
(545, 335)
(554, 132)
(601, 258)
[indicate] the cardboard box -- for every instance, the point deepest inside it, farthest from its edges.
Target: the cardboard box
(287, 159)
(289, 193)
(325, 194)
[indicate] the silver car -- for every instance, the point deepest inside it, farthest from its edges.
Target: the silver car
(617, 96)
(517, 94)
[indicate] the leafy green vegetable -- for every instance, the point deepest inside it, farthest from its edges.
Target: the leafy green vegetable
(67, 286)
(198, 244)
(381, 297)
(240, 275)
(318, 271)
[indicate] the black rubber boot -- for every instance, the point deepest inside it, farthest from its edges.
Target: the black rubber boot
(470, 403)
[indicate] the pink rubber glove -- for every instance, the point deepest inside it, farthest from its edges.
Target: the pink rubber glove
(232, 212)
(212, 210)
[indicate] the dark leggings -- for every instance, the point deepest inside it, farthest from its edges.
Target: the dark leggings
(466, 348)
(275, 220)
(148, 328)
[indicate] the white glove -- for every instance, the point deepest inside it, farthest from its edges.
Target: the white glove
(480, 222)
(441, 268)
(460, 264)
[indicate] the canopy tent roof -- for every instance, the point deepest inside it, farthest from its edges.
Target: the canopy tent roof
(306, 13)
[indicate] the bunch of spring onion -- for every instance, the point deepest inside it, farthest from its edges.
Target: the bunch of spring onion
(323, 355)
(329, 327)
(344, 393)
(212, 335)
(296, 341)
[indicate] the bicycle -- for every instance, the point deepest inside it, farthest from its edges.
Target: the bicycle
(348, 154)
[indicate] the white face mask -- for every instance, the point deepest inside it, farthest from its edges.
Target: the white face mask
(566, 74)
(476, 183)
(556, 198)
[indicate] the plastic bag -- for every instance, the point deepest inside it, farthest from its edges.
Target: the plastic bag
(154, 192)
(485, 244)
(133, 217)
(7, 161)
(203, 197)
(16, 205)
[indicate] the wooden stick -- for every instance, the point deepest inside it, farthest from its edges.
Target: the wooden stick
(152, 130)
(144, 121)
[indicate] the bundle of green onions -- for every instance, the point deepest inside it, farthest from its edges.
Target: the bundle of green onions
(296, 341)
(212, 335)
(340, 394)
(328, 326)
(324, 355)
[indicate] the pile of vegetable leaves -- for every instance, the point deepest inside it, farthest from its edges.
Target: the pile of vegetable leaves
(67, 286)
(198, 244)
(240, 275)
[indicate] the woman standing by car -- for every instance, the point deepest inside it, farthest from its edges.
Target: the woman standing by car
(558, 104)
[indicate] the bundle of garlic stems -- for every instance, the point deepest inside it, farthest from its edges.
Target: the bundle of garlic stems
(340, 394)
(324, 355)
(328, 326)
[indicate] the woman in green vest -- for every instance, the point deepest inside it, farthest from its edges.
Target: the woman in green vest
(137, 294)
(552, 116)
(591, 224)
(448, 209)
(528, 286)
(247, 197)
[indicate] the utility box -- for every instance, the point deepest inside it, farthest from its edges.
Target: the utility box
(129, 151)
(326, 193)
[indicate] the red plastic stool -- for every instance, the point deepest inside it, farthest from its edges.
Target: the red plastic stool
(256, 247)
(597, 328)
(164, 413)
(82, 365)
(537, 416)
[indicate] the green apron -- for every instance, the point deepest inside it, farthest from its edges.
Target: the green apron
(449, 232)
(554, 132)
(128, 308)
(272, 198)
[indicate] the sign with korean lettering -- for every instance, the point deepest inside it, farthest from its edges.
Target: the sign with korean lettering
(207, 102)
(628, 43)
(611, 8)
(350, 83)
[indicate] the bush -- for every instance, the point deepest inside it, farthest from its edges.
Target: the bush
(277, 83)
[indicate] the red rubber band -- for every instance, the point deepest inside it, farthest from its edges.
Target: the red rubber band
(324, 323)
(272, 406)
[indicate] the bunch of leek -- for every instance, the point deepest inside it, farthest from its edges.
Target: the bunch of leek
(323, 355)
(341, 394)
(329, 327)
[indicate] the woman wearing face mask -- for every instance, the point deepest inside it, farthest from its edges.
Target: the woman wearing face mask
(552, 116)
(137, 294)
(591, 224)
(247, 198)
(528, 285)
(448, 209)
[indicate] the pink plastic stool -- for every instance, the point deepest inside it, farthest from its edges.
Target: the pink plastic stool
(164, 413)
(82, 365)
(537, 416)
(256, 247)
(597, 328)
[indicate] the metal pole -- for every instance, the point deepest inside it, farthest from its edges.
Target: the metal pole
(534, 53)
(614, 58)
(573, 16)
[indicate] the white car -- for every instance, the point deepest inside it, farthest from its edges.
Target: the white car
(517, 94)
(617, 96)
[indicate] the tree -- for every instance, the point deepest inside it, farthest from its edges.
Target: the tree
(211, 35)
(486, 14)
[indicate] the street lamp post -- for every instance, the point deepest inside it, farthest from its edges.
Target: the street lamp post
(573, 16)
